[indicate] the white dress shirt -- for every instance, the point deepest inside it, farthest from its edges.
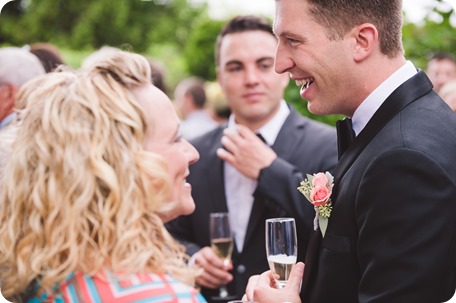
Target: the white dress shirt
(372, 103)
(239, 189)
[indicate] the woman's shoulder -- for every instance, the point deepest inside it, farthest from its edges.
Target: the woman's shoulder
(144, 287)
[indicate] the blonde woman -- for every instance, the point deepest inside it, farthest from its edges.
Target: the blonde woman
(96, 167)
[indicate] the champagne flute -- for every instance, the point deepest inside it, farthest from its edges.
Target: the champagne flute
(281, 248)
(221, 242)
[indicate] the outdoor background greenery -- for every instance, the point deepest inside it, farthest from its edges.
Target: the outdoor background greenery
(181, 35)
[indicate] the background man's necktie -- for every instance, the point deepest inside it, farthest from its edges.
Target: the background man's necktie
(345, 135)
(261, 138)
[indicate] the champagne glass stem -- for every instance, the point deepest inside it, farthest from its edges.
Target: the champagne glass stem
(223, 291)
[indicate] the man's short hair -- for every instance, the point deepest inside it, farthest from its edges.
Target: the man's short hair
(340, 16)
(241, 24)
(440, 56)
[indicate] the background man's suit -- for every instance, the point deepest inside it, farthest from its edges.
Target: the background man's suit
(302, 146)
(391, 196)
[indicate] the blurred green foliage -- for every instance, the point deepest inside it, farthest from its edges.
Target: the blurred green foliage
(181, 35)
(435, 34)
(94, 23)
(200, 48)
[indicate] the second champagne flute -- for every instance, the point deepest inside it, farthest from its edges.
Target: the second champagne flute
(281, 248)
(221, 242)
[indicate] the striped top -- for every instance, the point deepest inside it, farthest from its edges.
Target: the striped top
(137, 288)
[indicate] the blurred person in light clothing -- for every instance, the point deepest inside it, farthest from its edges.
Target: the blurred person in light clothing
(190, 99)
(441, 68)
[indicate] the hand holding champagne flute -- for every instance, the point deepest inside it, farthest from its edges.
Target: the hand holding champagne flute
(221, 241)
(281, 248)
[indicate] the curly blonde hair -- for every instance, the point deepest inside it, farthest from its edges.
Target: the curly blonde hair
(80, 193)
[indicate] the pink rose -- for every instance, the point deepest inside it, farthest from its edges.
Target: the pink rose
(320, 180)
(319, 195)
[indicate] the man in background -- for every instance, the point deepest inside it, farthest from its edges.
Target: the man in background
(448, 94)
(190, 100)
(17, 66)
(441, 68)
(252, 166)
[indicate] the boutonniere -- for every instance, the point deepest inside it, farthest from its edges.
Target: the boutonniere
(317, 188)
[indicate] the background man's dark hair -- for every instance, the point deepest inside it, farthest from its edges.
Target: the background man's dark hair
(241, 24)
(439, 56)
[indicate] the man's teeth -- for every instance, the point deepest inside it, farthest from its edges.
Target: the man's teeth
(305, 83)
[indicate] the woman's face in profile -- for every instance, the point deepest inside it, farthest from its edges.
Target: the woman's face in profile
(164, 139)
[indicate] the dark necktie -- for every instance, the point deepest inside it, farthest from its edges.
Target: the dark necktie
(261, 138)
(345, 135)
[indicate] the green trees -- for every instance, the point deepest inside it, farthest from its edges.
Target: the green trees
(436, 33)
(199, 51)
(88, 23)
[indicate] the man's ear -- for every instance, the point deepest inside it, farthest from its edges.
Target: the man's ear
(7, 99)
(8, 93)
(366, 39)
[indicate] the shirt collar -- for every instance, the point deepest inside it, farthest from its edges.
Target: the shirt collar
(372, 103)
(271, 129)
(7, 119)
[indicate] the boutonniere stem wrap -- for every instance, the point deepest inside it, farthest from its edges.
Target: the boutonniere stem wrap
(317, 188)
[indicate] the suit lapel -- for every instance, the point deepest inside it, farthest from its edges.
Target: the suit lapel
(409, 91)
(288, 137)
(313, 249)
(215, 176)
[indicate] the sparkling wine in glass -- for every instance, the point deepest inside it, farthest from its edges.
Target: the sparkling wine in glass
(281, 248)
(221, 242)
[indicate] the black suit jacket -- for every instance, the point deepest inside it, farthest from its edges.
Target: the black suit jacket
(302, 146)
(392, 234)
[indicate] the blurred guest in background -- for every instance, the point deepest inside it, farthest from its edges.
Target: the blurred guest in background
(97, 166)
(7, 135)
(48, 54)
(252, 166)
(218, 106)
(190, 100)
(448, 94)
(441, 68)
(158, 74)
(17, 66)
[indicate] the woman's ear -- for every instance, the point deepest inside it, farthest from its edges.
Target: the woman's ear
(366, 39)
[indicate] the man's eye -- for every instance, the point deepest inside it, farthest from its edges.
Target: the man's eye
(266, 66)
(292, 42)
(234, 68)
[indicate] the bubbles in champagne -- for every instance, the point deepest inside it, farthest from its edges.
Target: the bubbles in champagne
(223, 247)
(281, 266)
